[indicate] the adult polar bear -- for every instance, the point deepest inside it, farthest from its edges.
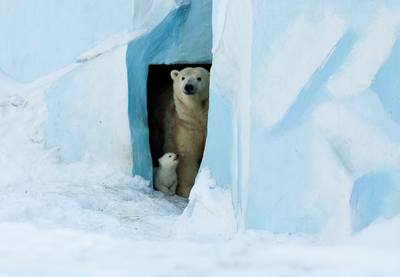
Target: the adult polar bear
(185, 123)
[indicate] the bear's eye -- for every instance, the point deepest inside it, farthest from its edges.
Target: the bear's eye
(169, 156)
(198, 79)
(183, 78)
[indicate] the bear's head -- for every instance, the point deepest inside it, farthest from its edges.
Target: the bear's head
(191, 85)
(169, 160)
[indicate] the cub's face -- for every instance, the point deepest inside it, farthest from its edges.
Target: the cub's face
(191, 85)
(169, 160)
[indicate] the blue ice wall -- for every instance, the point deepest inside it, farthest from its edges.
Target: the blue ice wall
(39, 37)
(85, 78)
(183, 37)
(78, 50)
(313, 111)
(87, 113)
(218, 150)
(375, 195)
(304, 115)
(387, 82)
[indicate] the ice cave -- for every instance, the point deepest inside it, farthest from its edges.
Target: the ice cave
(304, 114)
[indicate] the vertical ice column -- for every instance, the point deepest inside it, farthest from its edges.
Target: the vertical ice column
(227, 149)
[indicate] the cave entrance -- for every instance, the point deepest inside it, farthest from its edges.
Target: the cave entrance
(158, 82)
(159, 92)
(182, 38)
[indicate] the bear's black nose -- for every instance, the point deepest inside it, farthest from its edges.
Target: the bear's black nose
(189, 87)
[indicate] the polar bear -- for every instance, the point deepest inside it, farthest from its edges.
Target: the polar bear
(185, 123)
(165, 178)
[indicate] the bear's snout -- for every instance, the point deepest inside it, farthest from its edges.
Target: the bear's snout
(189, 89)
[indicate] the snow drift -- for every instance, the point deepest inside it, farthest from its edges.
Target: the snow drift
(303, 123)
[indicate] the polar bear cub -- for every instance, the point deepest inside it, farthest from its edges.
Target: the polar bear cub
(165, 178)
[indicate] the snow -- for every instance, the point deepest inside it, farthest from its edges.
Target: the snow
(300, 175)
(36, 186)
(89, 218)
(86, 218)
(207, 203)
(88, 116)
(69, 252)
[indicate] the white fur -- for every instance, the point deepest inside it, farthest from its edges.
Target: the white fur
(165, 178)
(185, 123)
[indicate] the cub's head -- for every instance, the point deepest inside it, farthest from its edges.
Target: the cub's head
(169, 160)
(191, 85)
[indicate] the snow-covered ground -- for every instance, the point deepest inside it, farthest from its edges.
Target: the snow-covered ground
(88, 219)
(30, 251)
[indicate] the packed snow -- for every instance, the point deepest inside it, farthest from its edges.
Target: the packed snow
(89, 219)
(322, 190)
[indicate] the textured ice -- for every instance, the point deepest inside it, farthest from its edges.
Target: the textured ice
(88, 116)
(303, 137)
(43, 36)
(311, 92)
(303, 122)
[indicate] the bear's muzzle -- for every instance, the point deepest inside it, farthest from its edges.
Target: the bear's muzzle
(189, 89)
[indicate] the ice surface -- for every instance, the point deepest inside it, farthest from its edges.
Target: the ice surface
(88, 112)
(312, 93)
(374, 195)
(303, 138)
(40, 37)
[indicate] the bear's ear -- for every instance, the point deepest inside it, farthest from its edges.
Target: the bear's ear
(159, 160)
(174, 74)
